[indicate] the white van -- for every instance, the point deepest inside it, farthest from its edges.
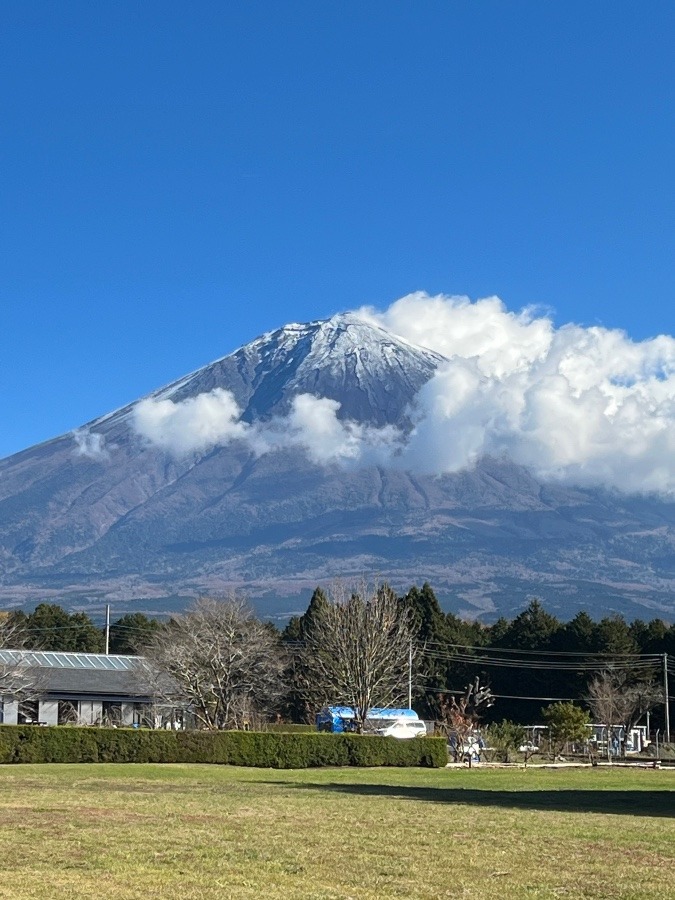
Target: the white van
(397, 726)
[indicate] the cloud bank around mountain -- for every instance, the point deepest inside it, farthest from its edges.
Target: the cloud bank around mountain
(584, 405)
(213, 419)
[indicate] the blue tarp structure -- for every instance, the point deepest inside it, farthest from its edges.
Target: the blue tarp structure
(340, 718)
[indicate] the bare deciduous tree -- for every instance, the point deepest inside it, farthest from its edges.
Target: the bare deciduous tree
(460, 717)
(218, 661)
(358, 649)
(617, 699)
(19, 677)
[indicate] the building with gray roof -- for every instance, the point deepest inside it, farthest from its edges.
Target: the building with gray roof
(50, 688)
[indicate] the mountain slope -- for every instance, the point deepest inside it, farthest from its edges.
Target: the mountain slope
(104, 515)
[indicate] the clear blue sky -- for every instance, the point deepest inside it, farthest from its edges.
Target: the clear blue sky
(180, 177)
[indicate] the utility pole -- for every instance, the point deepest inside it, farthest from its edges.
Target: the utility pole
(107, 629)
(410, 657)
(665, 693)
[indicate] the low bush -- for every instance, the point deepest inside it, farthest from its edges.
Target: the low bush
(278, 750)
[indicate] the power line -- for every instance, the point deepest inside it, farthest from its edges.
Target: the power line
(509, 696)
(547, 653)
(486, 659)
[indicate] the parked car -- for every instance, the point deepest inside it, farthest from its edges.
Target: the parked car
(398, 727)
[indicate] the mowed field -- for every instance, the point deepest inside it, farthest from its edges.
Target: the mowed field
(174, 831)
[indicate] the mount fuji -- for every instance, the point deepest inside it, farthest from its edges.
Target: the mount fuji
(249, 474)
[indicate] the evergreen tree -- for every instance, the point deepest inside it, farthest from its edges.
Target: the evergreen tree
(50, 627)
(649, 637)
(431, 633)
(614, 638)
(293, 630)
(84, 636)
(495, 633)
(578, 635)
(462, 637)
(130, 633)
(532, 629)
(430, 621)
(295, 705)
(655, 642)
(669, 641)
(298, 626)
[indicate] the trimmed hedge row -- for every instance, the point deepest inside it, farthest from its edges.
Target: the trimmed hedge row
(31, 744)
(288, 728)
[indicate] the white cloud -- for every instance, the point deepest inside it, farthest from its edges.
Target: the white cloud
(601, 409)
(213, 419)
(314, 425)
(89, 444)
(585, 405)
(500, 341)
(193, 425)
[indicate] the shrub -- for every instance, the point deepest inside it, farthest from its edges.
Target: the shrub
(278, 750)
(567, 723)
(504, 738)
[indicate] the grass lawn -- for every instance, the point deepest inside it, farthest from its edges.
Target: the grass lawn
(179, 831)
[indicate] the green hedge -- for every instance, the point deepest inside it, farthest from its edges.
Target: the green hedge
(288, 728)
(31, 744)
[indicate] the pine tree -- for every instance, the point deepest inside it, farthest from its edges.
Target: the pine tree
(614, 638)
(50, 627)
(532, 629)
(130, 633)
(296, 705)
(432, 637)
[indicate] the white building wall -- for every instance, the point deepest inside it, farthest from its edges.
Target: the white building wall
(10, 712)
(48, 712)
(90, 711)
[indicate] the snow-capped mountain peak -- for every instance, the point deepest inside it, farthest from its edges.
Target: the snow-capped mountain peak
(372, 373)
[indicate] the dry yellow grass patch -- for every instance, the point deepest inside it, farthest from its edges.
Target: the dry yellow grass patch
(218, 832)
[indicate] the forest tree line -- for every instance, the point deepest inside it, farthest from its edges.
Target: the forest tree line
(527, 661)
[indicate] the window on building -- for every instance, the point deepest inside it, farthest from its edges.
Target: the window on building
(112, 714)
(143, 715)
(28, 712)
(68, 713)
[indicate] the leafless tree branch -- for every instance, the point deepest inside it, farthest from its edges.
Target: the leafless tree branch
(358, 649)
(219, 661)
(19, 678)
(460, 716)
(615, 698)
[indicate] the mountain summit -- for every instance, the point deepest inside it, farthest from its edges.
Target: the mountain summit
(373, 374)
(107, 514)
